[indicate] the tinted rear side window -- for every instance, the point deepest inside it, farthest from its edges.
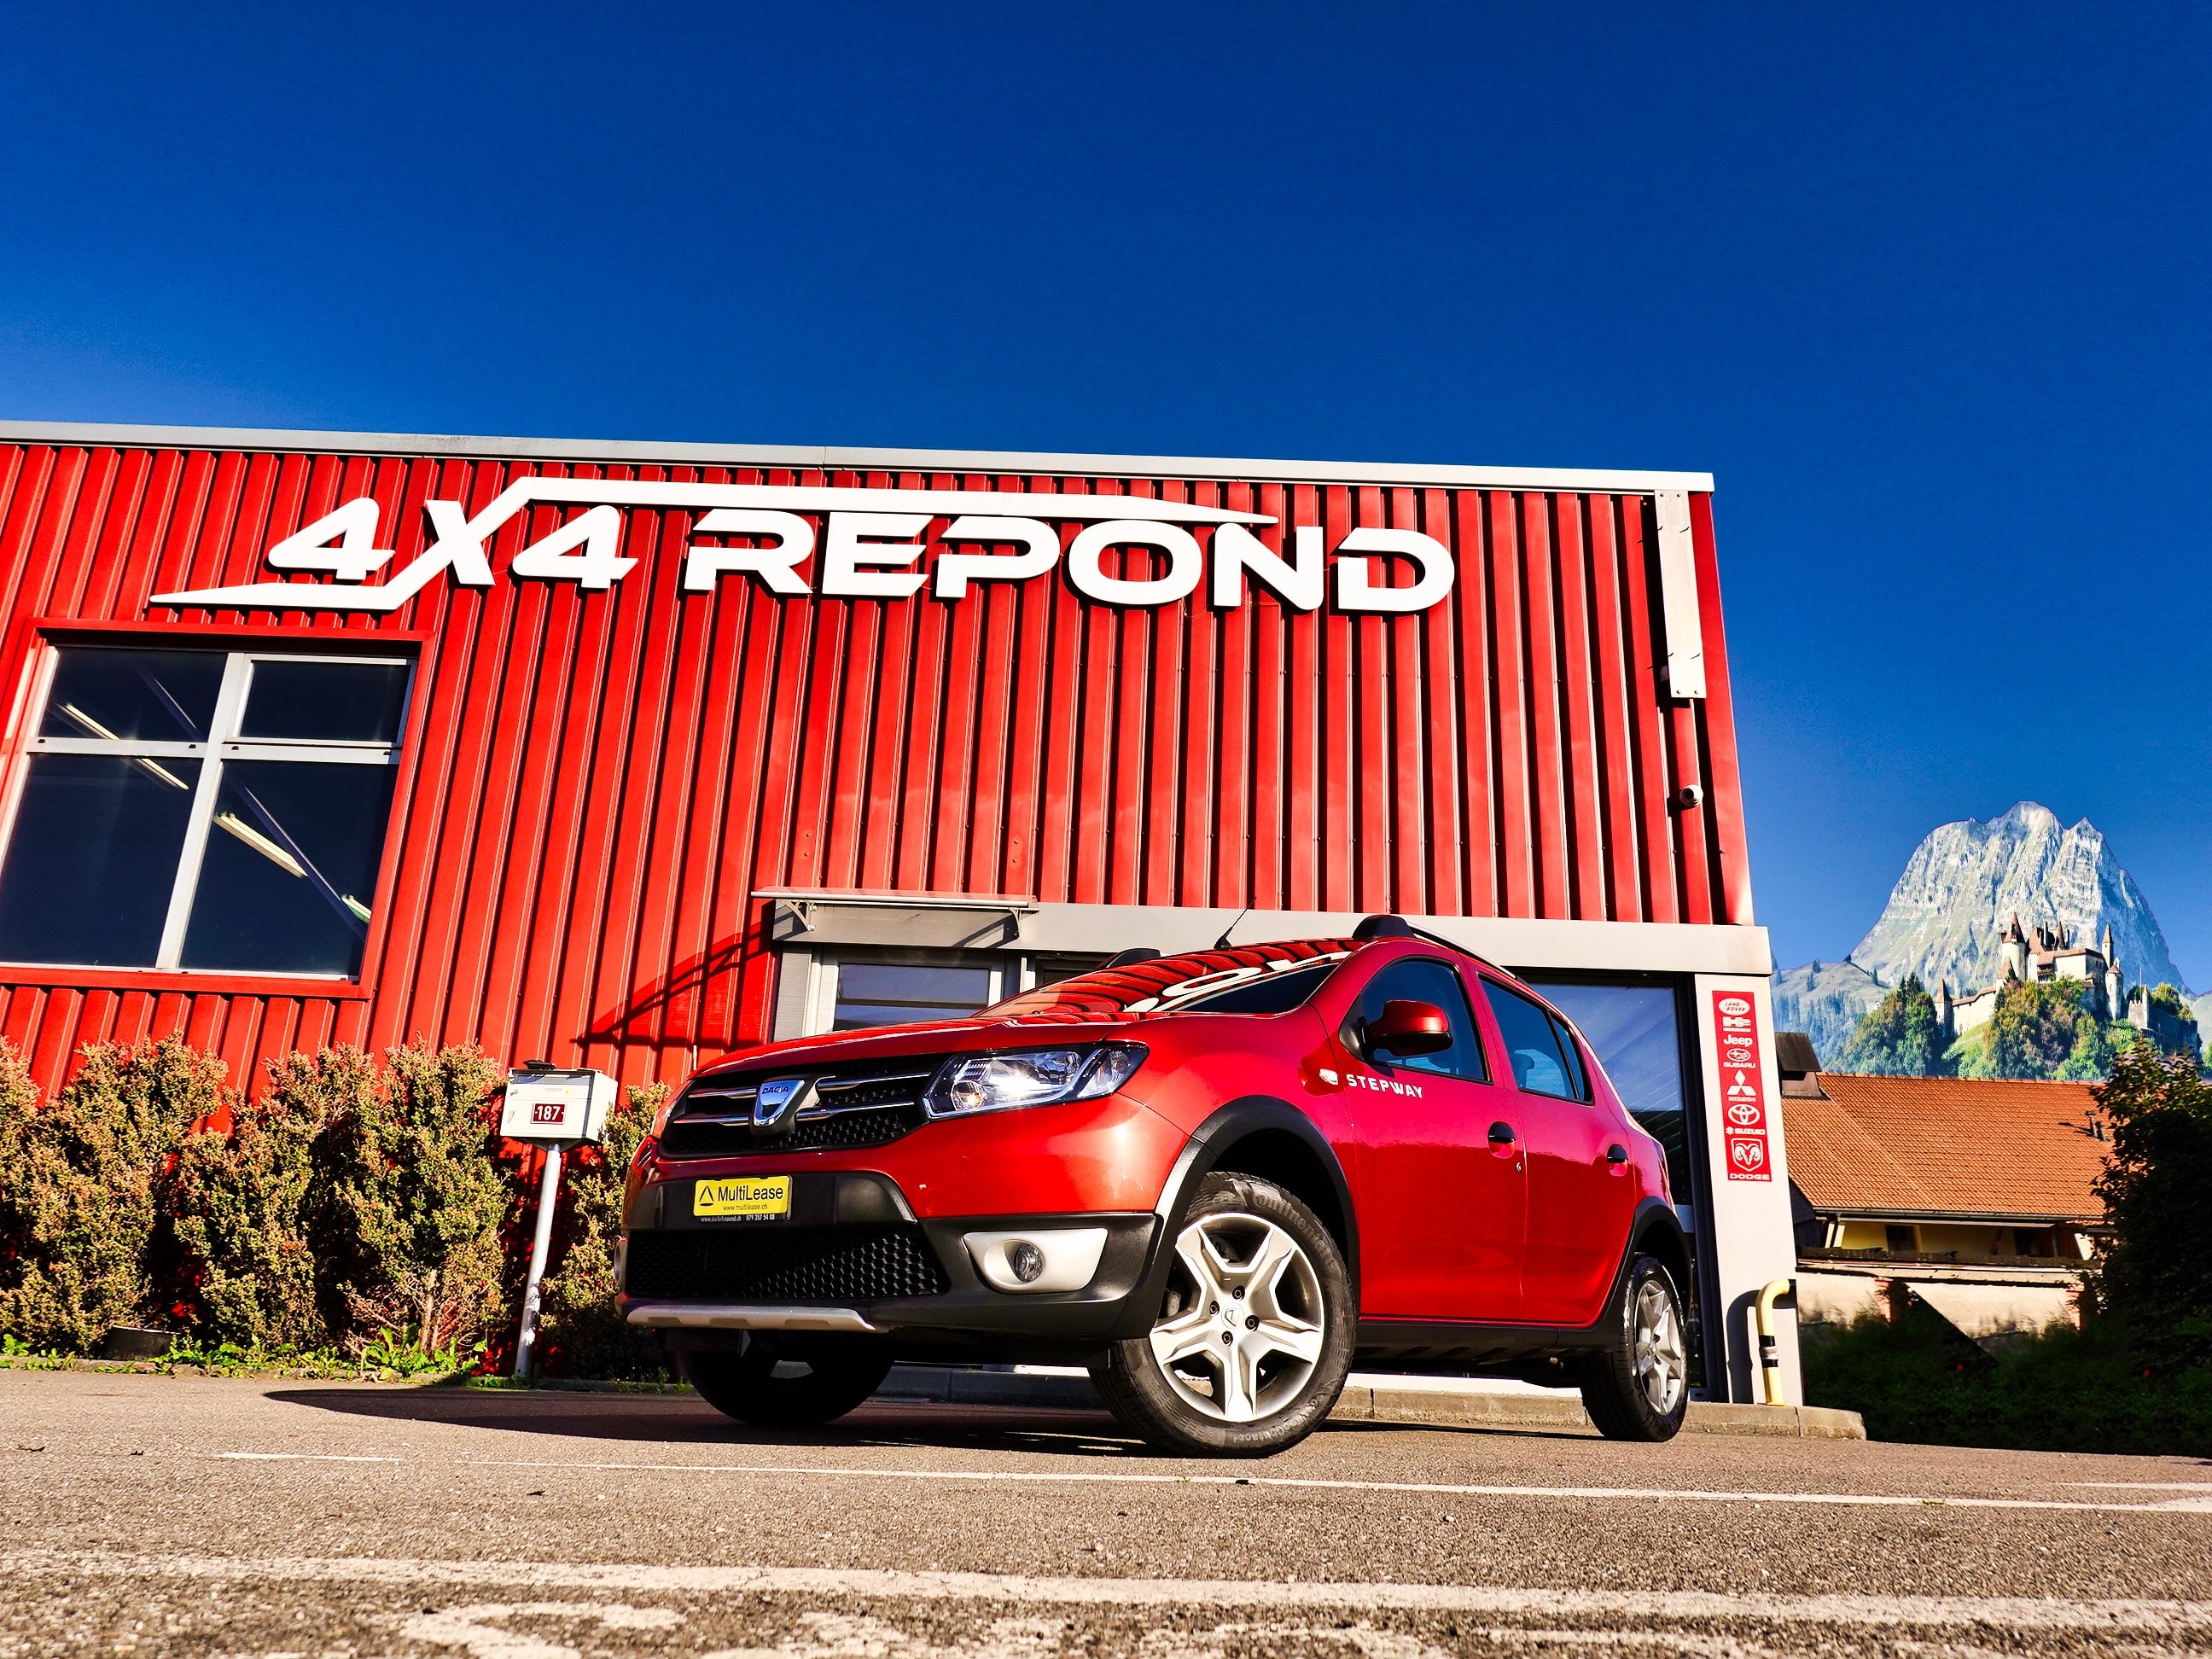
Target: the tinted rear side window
(1532, 1042)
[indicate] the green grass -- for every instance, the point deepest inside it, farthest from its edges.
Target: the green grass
(2065, 1390)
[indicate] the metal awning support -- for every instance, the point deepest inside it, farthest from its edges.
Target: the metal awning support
(944, 922)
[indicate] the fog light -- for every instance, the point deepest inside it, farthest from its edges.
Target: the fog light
(1042, 1259)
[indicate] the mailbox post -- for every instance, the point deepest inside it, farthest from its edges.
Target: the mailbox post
(552, 1110)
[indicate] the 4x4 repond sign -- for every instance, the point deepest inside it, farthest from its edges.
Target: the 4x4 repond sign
(871, 542)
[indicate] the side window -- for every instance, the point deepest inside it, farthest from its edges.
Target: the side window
(203, 808)
(1541, 1049)
(1432, 982)
(1577, 1080)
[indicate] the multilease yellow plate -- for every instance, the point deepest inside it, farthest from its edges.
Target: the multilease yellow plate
(752, 1197)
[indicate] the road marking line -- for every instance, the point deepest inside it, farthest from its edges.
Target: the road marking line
(303, 1457)
(1875, 1500)
(2012, 1612)
(2146, 1485)
(1046, 1477)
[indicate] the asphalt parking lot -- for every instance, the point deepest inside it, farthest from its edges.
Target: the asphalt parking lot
(156, 1516)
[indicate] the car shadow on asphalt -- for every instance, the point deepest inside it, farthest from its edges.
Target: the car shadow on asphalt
(684, 1420)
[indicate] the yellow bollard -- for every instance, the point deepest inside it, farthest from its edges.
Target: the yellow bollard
(1769, 1353)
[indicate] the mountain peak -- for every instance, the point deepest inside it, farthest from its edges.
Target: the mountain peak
(1966, 880)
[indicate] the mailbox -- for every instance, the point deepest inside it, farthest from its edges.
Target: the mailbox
(556, 1109)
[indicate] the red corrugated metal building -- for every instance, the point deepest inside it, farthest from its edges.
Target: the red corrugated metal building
(628, 754)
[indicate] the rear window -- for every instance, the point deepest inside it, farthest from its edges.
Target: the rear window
(1253, 979)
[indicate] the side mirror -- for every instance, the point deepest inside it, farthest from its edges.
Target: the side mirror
(1407, 1028)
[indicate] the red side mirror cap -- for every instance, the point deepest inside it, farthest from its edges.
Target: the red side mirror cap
(1407, 1028)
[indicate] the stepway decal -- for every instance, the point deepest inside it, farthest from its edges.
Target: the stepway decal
(1384, 1085)
(867, 544)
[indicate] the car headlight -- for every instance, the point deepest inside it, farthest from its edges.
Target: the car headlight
(1032, 1077)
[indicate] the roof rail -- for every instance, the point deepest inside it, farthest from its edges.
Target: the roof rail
(1386, 926)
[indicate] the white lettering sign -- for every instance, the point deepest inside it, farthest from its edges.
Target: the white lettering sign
(873, 544)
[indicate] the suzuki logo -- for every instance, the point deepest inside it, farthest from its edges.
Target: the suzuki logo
(778, 1102)
(868, 543)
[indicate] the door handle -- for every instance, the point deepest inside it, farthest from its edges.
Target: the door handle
(1501, 1134)
(1616, 1153)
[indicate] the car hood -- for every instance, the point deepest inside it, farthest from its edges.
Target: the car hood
(936, 1036)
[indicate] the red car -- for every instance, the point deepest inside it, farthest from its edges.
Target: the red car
(1216, 1179)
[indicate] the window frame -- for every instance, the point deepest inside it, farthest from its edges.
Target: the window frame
(226, 743)
(1480, 1043)
(1573, 1066)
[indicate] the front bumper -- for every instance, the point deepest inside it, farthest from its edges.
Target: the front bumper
(852, 1256)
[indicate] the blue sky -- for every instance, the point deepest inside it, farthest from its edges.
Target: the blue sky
(1924, 287)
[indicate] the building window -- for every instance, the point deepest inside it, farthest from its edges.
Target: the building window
(223, 810)
(1635, 1030)
(856, 990)
(1901, 1241)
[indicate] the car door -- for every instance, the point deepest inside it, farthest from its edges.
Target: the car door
(1440, 1204)
(1578, 1206)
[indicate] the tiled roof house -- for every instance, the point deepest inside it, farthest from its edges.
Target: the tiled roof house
(1977, 1195)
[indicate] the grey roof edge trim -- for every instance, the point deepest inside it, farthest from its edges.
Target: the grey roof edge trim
(835, 458)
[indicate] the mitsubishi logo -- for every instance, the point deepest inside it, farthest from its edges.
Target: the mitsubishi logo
(778, 1102)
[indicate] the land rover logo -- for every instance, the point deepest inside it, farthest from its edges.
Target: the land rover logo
(778, 1102)
(855, 543)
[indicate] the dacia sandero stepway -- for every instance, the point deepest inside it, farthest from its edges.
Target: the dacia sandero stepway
(1215, 1179)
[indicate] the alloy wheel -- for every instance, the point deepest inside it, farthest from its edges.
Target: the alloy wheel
(1661, 1362)
(1243, 1330)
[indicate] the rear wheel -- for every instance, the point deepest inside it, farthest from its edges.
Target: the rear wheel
(1637, 1387)
(1249, 1348)
(788, 1383)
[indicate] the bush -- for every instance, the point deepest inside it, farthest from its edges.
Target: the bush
(79, 1184)
(580, 1331)
(238, 1204)
(408, 1193)
(1918, 1379)
(2155, 1281)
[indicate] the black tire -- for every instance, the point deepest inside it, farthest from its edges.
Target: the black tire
(1637, 1386)
(1281, 1394)
(824, 1378)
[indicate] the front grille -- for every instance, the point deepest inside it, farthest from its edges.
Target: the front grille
(763, 1261)
(861, 1103)
(809, 1134)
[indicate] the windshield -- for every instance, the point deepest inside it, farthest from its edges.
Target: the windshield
(1245, 979)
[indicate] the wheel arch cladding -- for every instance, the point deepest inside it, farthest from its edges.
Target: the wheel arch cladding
(1272, 1141)
(1657, 1232)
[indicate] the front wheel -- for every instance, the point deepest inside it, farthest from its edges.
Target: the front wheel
(788, 1383)
(1637, 1387)
(1249, 1349)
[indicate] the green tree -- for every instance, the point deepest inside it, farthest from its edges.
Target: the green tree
(1897, 1037)
(83, 1243)
(581, 1329)
(2041, 1031)
(2155, 1278)
(2169, 999)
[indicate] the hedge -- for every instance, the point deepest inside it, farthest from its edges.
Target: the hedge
(358, 1203)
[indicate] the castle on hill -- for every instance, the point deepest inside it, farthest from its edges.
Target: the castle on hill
(2049, 954)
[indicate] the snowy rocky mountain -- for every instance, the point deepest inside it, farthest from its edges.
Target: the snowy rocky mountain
(1960, 888)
